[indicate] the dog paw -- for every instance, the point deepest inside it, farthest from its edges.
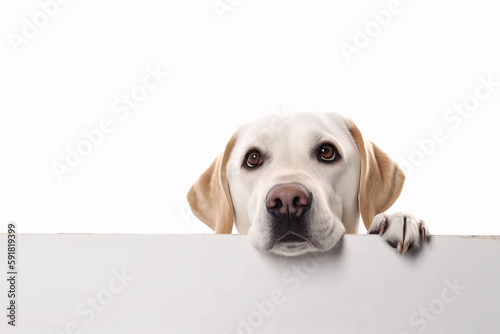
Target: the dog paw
(400, 231)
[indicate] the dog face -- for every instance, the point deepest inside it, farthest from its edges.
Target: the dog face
(296, 184)
(293, 187)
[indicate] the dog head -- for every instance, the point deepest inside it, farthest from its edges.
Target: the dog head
(297, 183)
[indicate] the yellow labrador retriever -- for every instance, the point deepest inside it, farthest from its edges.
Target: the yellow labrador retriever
(297, 183)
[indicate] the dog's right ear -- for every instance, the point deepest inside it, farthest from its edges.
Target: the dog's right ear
(209, 197)
(381, 179)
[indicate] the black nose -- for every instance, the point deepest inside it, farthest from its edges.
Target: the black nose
(288, 200)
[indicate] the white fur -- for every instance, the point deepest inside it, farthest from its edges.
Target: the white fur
(287, 140)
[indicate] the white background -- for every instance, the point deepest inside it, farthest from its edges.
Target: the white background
(262, 58)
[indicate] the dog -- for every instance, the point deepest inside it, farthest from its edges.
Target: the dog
(295, 184)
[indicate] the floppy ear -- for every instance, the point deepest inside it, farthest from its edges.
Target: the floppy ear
(209, 197)
(381, 179)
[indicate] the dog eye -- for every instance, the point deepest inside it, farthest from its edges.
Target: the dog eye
(253, 159)
(327, 152)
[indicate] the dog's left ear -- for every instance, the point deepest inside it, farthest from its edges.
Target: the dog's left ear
(209, 197)
(381, 179)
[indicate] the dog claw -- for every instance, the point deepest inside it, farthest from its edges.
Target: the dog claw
(403, 248)
(423, 233)
(382, 228)
(406, 246)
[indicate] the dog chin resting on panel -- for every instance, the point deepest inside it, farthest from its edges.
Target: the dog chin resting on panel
(295, 184)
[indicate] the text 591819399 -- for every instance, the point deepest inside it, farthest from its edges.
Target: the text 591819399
(11, 273)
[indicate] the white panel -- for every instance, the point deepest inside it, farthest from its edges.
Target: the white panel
(213, 284)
